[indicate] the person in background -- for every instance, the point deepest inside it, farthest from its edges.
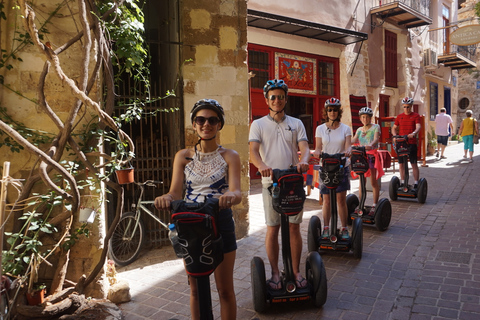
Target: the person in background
(334, 137)
(204, 171)
(274, 142)
(368, 136)
(468, 129)
(443, 122)
(408, 124)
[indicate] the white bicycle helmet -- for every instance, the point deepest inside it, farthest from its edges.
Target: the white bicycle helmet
(407, 100)
(275, 84)
(334, 102)
(365, 110)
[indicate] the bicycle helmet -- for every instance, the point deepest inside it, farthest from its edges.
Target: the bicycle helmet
(365, 110)
(208, 104)
(407, 100)
(333, 102)
(275, 84)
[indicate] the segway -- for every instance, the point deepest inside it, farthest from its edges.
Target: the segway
(383, 209)
(288, 197)
(332, 173)
(406, 191)
(195, 238)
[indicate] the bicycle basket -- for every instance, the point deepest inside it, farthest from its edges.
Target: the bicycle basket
(401, 147)
(359, 160)
(291, 194)
(332, 170)
(200, 244)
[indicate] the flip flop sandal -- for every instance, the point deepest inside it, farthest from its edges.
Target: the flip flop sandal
(274, 285)
(302, 283)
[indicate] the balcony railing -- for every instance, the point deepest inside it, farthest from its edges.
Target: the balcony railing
(422, 6)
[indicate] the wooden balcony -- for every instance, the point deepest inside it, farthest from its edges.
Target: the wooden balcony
(406, 13)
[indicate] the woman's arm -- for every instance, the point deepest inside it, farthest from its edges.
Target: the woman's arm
(318, 147)
(234, 193)
(176, 187)
(355, 138)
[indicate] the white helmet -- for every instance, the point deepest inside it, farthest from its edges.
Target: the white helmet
(365, 110)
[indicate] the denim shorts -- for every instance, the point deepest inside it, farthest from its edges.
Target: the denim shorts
(442, 140)
(343, 186)
(226, 227)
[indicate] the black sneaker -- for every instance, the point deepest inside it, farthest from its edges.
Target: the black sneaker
(415, 186)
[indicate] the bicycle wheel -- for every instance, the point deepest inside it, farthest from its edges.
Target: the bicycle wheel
(124, 247)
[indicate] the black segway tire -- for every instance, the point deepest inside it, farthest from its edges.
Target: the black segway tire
(259, 285)
(317, 278)
(394, 185)
(314, 229)
(352, 204)
(383, 214)
(422, 190)
(357, 238)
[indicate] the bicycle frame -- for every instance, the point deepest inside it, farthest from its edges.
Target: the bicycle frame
(138, 211)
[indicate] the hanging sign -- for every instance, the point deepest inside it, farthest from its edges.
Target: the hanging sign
(466, 36)
(298, 72)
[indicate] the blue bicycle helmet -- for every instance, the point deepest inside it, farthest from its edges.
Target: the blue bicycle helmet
(275, 84)
(407, 100)
(208, 104)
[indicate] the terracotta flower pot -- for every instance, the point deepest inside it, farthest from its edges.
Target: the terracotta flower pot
(36, 298)
(125, 176)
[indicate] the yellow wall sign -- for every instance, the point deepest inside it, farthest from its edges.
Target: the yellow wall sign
(466, 36)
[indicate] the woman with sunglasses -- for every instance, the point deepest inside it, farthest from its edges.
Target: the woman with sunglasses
(204, 171)
(334, 137)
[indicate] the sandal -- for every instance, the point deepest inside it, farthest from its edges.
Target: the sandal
(301, 283)
(274, 285)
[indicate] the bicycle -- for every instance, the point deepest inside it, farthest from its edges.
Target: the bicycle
(129, 234)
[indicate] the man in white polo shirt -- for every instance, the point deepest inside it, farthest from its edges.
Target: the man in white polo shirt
(274, 141)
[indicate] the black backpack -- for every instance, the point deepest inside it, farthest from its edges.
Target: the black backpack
(359, 160)
(200, 244)
(332, 170)
(401, 146)
(289, 196)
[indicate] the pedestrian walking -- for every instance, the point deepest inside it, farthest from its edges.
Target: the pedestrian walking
(443, 122)
(468, 129)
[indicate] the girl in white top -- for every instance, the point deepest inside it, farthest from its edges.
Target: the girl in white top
(209, 170)
(334, 137)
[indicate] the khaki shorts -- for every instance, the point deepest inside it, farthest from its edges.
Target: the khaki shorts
(272, 217)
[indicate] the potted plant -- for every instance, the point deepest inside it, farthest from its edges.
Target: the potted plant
(431, 141)
(36, 295)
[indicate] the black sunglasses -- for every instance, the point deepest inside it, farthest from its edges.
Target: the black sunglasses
(332, 110)
(278, 96)
(201, 120)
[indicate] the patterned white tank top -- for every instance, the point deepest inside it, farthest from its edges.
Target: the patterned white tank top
(206, 176)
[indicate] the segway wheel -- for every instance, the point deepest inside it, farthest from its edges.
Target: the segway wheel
(352, 204)
(357, 238)
(259, 285)
(422, 190)
(317, 278)
(394, 185)
(383, 214)
(314, 227)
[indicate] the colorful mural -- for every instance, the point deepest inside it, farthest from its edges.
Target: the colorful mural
(298, 72)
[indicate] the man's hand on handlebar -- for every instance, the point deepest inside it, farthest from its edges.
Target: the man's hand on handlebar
(265, 171)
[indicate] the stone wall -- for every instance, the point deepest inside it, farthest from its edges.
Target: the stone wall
(215, 38)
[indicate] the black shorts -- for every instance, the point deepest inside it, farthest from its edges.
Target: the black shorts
(226, 227)
(412, 155)
(442, 140)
